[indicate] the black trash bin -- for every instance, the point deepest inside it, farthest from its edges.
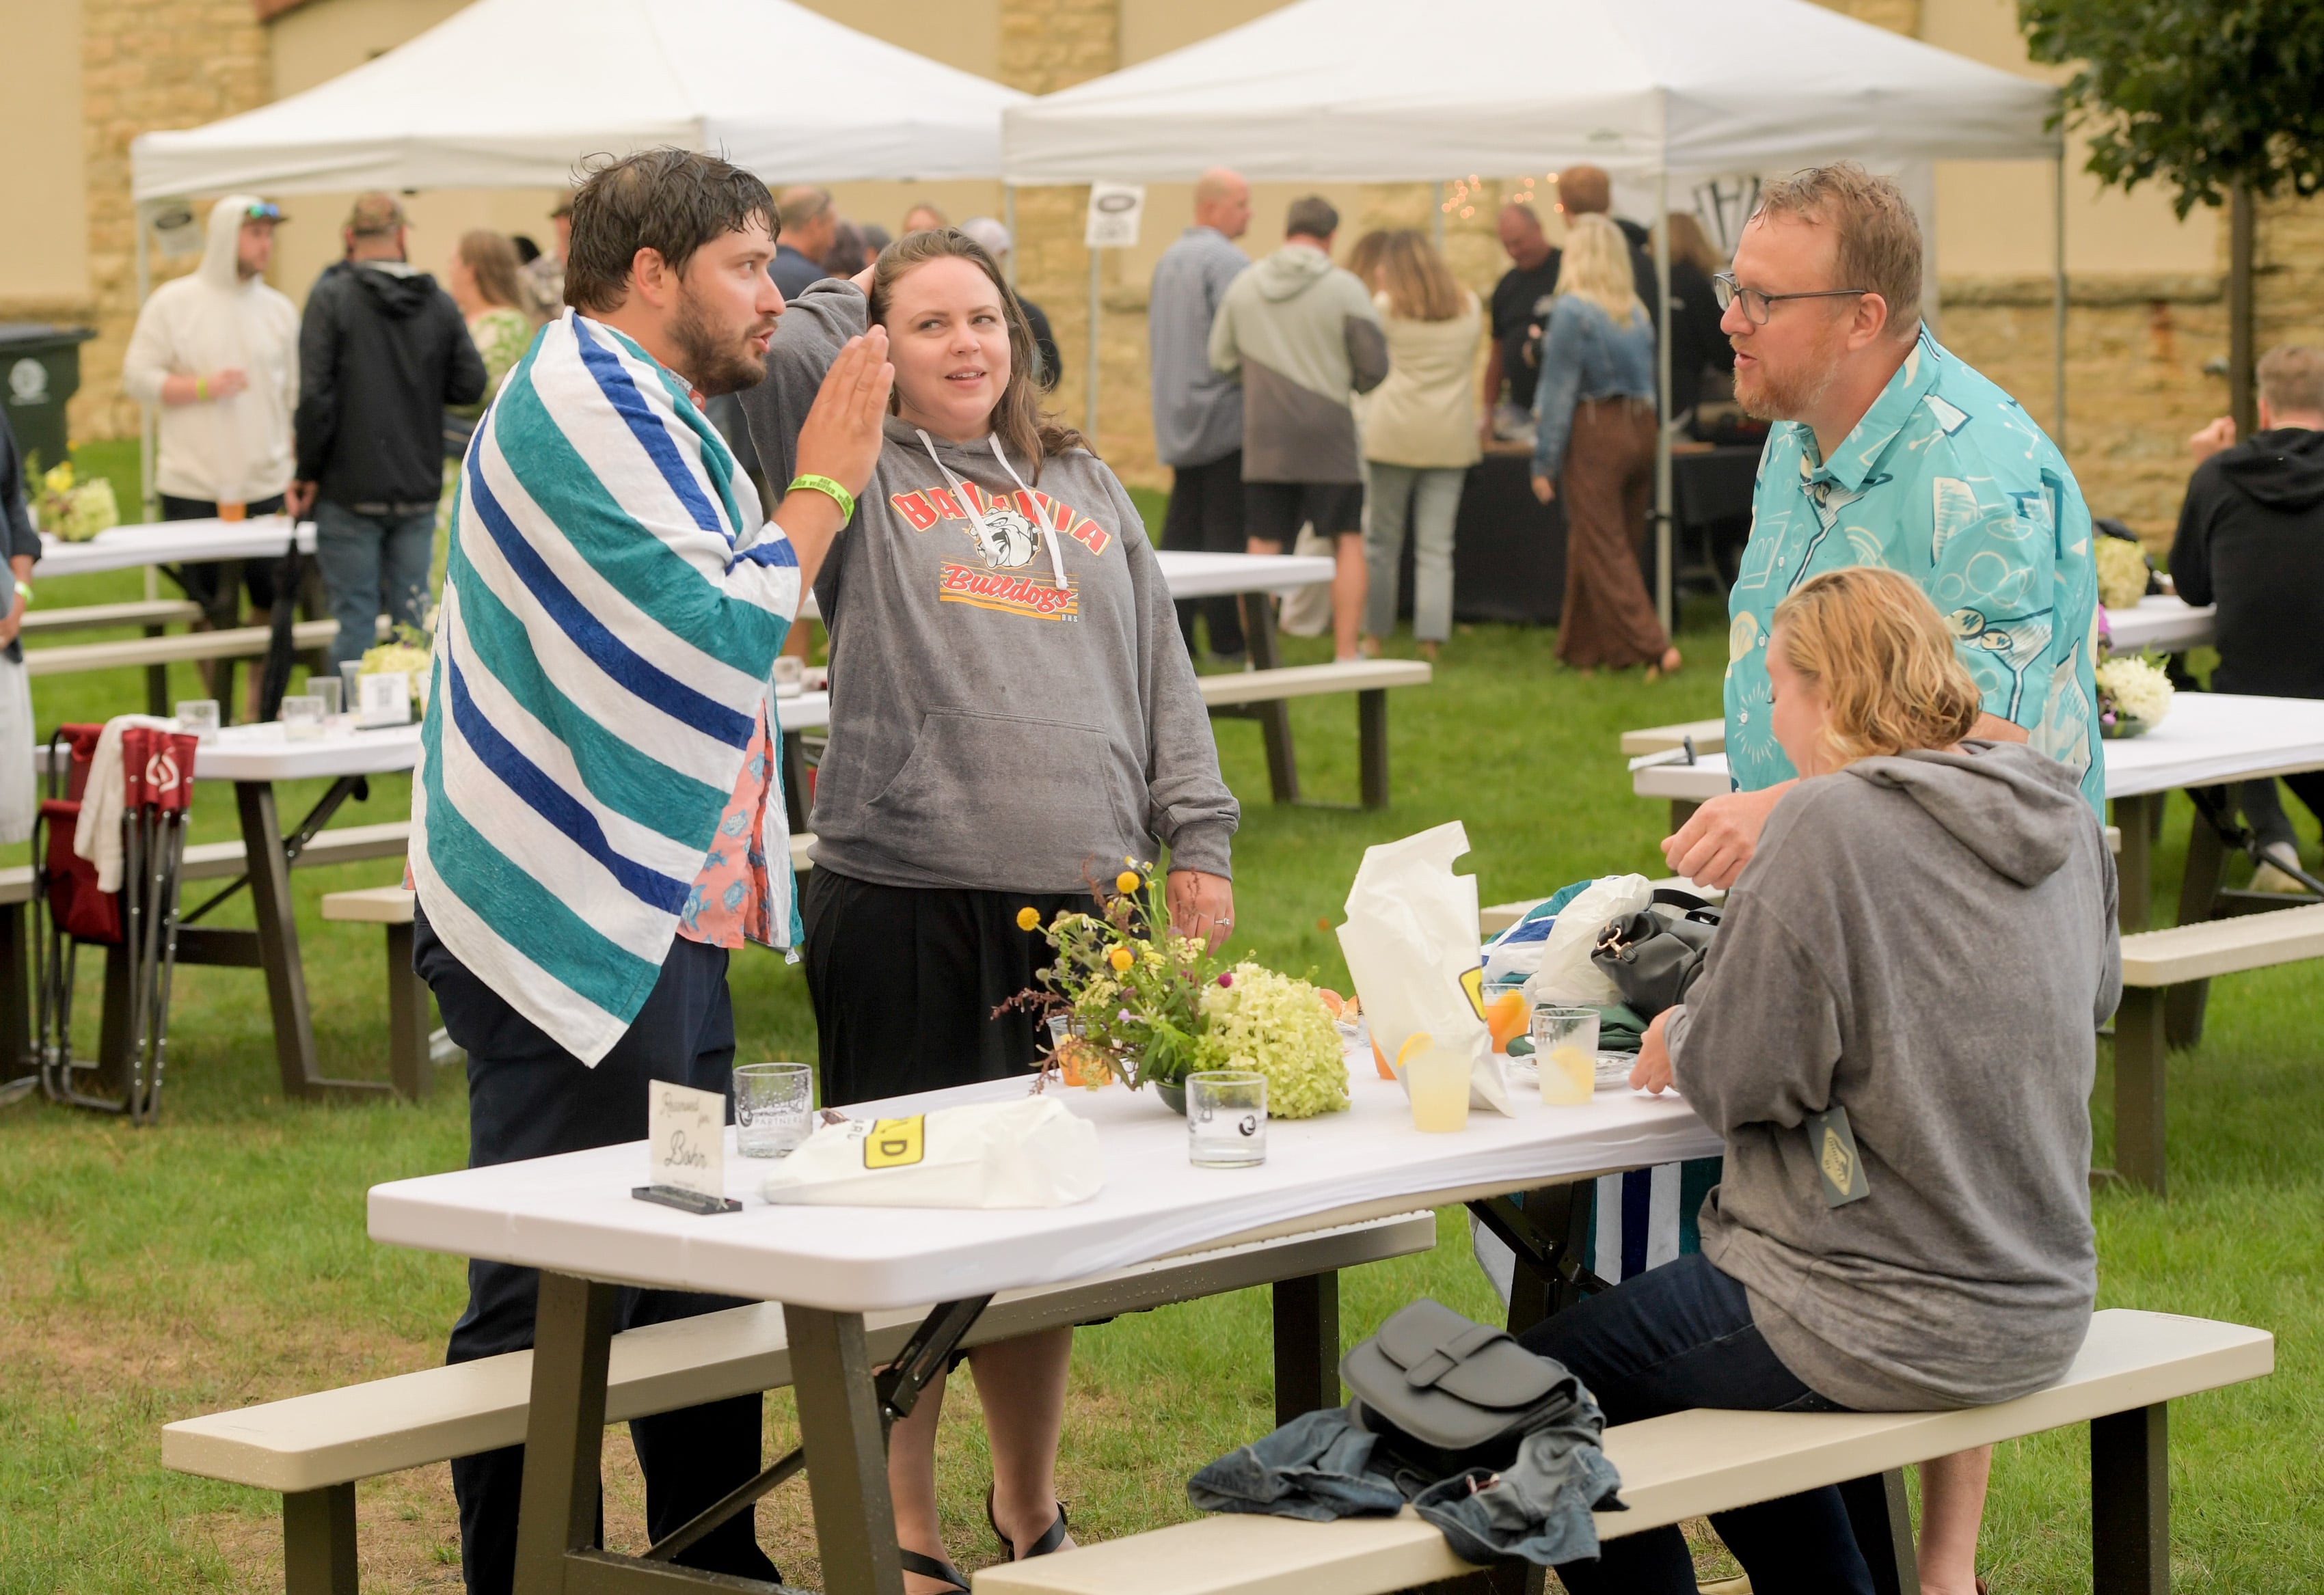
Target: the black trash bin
(39, 370)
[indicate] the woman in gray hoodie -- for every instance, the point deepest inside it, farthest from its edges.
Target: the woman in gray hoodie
(1894, 1033)
(1012, 715)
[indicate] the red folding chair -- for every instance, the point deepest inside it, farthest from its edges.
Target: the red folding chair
(141, 919)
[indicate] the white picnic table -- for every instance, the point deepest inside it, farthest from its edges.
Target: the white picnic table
(172, 542)
(2209, 739)
(573, 1217)
(2162, 622)
(1213, 576)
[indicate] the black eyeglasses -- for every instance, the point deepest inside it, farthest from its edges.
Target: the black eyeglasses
(1726, 290)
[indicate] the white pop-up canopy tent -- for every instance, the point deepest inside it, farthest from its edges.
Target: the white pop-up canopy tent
(515, 93)
(1654, 92)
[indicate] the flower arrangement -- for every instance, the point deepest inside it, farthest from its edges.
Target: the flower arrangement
(75, 513)
(2134, 695)
(1145, 1004)
(2121, 571)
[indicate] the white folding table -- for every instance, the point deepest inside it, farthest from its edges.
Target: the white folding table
(2209, 739)
(2161, 622)
(573, 1218)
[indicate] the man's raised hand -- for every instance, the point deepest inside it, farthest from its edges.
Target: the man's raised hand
(841, 438)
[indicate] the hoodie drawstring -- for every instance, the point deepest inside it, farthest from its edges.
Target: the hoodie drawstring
(968, 505)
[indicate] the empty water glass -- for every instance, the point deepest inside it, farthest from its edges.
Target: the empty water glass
(199, 717)
(774, 1107)
(326, 687)
(302, 719)
(1226, 1118)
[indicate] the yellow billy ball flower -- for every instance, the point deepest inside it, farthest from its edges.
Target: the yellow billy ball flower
(1121, 958)
(1126, 883)
(1028, 919)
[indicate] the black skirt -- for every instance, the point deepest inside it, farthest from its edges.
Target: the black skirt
(905, 979)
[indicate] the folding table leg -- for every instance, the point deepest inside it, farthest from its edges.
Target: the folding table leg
(846, 1453)
(2136, 818)
(1307, 1345)
(1275, 718)
(408, 1063)
(318, 1541)
(2139, 1057)
(15, 994)
(2130, 1502)
(1371, 744)
(1881, 1514)
(564, 1429)
(278, 938)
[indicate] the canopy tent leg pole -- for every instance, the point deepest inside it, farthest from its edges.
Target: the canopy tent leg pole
(1436, 208)
(148, 433)
(1665, 587)
(2058, 299)
(1008, 220)
(1089, 410)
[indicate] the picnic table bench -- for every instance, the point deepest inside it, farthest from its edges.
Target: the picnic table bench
(1688, 1464)
(314, 1448)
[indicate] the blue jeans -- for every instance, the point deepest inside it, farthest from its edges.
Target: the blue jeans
(373, 565)
(1681, 1336)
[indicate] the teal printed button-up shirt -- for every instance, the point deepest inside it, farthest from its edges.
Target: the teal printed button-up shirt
(1948, 480)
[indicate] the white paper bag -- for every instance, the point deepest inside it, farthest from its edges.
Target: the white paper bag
(1411, 946)
(1566, 976)
(1031, 1152)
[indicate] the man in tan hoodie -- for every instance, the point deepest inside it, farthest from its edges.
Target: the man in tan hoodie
(1305, 337)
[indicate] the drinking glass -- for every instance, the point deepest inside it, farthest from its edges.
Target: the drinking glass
(774, 1107)
(200, 717)
(302, 719)
(350, 695)
(1436, 1080)
(326, 687)
(1565, 1051)
(1226, 1118)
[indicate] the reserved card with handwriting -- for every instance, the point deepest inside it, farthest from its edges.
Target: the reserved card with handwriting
(685, 1148)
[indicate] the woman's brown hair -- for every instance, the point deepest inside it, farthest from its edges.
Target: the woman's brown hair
(492, 258)
(1690, 242)
(1024, 429)
(1420, 286)
(1884, 658)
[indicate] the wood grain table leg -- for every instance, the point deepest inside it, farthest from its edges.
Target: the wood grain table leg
(846, 1453)
(1307, 1345)
(564, 1429)
(2139, 1057)
(2135, 817)
(2130, 1502)
(278, 938)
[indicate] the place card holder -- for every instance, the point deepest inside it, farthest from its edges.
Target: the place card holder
(685, 1150)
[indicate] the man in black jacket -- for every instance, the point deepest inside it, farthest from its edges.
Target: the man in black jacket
(2251, 540)
(382, 351)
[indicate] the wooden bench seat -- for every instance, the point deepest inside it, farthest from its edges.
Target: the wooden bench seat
(313, 1448)
(2163, 978)
(234, 643)
(1262, 695)
(1709, 737)
(1690, 1464)
(90, 617)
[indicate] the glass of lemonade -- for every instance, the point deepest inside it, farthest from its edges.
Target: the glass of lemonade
(1436, 1079)
(1565, 1052)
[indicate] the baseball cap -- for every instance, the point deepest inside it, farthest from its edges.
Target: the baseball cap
(374, 215)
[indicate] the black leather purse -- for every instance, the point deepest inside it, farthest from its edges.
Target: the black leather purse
(1444, 1393)
(1655, 959)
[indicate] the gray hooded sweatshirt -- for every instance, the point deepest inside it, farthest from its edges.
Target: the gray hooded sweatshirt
(1928, 942)
(1011, 706)
(1305, 337)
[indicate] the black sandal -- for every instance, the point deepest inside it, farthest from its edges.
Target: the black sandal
(1053, 1539)
(933, 1567)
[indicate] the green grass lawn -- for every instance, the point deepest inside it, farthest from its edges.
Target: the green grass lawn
(221, 1260)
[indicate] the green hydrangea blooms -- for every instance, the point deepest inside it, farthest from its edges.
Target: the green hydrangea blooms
(1277, 1024)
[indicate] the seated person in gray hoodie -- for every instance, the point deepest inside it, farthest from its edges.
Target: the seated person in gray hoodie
(1903, 1221)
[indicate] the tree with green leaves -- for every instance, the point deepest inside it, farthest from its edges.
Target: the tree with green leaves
(2222, 99)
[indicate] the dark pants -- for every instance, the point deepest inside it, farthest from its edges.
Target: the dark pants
(529, 1098)
(905, 979)
(1206, 516)
(1681, 1336)
(217, 583)
(2264, 809)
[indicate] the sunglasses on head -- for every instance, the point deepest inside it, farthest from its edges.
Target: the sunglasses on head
(264, 212)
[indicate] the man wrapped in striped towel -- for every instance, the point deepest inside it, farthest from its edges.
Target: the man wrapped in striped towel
(596, 816)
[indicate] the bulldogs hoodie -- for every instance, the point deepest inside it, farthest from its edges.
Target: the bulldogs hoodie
(1011, 705)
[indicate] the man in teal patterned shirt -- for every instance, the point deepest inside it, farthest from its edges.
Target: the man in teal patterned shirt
(1889, 450)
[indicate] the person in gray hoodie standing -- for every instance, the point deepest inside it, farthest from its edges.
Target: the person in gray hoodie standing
(1305, 338)
(1894, 1033)
(1012, 715)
